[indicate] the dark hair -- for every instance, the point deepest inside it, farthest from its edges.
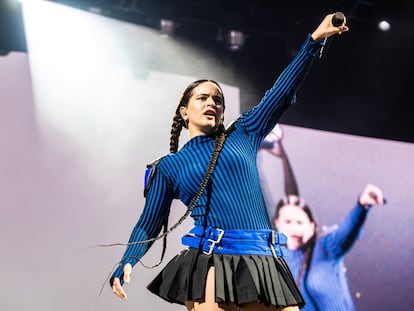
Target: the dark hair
(307, 249)
(292, 199)
(178, 121)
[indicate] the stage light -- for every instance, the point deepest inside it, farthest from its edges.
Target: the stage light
(167, 27)
(235, 40)
(384, 25)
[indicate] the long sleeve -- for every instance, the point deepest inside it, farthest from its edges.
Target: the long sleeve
(261, 119)
(341, 239)
(325, 286)
(155, 213)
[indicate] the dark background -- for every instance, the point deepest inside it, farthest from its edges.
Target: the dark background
(363, 86)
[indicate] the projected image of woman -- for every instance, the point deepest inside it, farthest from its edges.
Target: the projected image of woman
(316, 257)
(232, 258)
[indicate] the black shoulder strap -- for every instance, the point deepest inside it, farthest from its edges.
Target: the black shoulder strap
(149, 174)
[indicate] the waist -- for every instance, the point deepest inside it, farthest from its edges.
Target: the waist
(235, 242)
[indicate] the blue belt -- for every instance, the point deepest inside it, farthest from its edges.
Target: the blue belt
(235, 242)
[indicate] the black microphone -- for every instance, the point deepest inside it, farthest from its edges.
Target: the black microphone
(337, 20)
(375, 197)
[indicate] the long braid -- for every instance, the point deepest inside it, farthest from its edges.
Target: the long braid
(217, 149)
(176, 128)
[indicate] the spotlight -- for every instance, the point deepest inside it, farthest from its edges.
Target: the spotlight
(167, 27)
(235, 40)
(384, 25)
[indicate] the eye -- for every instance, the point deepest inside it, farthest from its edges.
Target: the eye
(218, 100)
(202, 98)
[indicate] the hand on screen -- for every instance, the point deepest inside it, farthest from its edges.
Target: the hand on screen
(371, 195)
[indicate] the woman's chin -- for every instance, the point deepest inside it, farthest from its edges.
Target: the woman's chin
(294, 245)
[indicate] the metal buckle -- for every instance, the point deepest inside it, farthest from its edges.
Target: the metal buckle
(273, 237)
(214, 242)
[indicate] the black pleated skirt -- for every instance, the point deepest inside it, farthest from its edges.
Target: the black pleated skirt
(239, 279)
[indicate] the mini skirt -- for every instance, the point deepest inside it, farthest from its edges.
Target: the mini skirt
(239, 279)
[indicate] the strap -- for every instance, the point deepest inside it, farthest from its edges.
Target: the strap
(149, 174)
(236, 242)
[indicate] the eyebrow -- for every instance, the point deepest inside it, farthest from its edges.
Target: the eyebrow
(205, 94)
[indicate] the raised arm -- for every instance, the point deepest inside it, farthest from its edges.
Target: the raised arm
(260, 120)
(340, 240)
(273, 144)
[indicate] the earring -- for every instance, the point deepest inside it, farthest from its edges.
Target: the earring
(184, 120)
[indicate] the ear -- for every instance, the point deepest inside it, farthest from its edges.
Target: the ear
(183, 112)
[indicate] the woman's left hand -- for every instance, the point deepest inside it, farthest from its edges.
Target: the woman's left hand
(327, 29)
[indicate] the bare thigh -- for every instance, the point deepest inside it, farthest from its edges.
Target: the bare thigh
(261, 307)
(210, 305)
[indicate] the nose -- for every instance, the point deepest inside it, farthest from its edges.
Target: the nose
(211, 102)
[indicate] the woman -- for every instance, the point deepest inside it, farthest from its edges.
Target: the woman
(316, 261)
(233, 259)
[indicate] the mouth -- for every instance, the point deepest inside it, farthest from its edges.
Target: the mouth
(296, 238)
(210, 114)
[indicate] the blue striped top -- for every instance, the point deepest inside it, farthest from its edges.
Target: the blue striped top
(233, 199)
(325, 285)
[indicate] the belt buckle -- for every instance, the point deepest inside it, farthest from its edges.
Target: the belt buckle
(214, 242)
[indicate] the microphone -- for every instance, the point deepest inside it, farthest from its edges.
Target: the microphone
(337, 20)
(374, 196)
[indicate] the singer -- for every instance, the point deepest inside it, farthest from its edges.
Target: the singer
(233, 260)
(315, 256)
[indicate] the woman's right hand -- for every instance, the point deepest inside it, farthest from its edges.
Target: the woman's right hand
(276, 136)
(117, 287)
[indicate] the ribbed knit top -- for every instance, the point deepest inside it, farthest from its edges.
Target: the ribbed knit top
(325, 284)
(233, 198)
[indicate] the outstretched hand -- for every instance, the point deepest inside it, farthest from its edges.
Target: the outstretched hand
(327, 29)
(276, 136)
(117, 287)
(371, 195)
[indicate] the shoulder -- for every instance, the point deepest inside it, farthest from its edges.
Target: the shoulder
(327, 230)
(150, 170)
